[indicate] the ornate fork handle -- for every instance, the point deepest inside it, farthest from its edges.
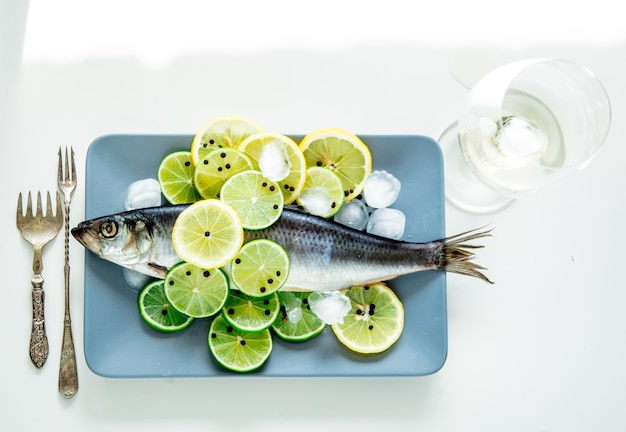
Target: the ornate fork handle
(38, 338)
(68, 373)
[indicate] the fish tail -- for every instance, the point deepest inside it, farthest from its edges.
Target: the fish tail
(458, 253)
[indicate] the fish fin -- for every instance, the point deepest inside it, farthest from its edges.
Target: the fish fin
(161, 270)
(458, 255)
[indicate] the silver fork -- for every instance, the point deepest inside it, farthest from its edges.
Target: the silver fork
(68, 373)
(38, 229)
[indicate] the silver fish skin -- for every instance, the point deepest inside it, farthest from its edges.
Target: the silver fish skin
(324, 255)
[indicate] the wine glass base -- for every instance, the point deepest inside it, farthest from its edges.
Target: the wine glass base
(463, 189)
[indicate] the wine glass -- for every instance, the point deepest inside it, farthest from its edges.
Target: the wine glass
(524, 126)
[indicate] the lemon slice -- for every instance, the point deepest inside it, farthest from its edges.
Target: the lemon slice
(216, 167)
(236, 350)
(196, 291)
(343, 153)
(260, 268)
(220, 132)
(292, 184)
(207, 234)
(322, 194)
(250, 314)
(375, 321)
(175, 176)
(257, 200)
(157, 311)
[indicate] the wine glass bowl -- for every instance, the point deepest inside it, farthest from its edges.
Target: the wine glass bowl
(524, 126)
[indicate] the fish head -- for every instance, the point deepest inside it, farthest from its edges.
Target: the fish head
(124, 239)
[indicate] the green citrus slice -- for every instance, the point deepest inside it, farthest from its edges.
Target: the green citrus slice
(236, 350)
(260, 268)
(175, 176)
(323, 193)
(291, 185)
(156, 310)
(257, 200)
(216, 167)
(221, 132)
(295, 321)
(375, 321)
(195, 291)
(342, 152)
(250, 314)
(207, 234)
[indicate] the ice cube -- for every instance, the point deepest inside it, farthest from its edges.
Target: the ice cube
(487, 127)
(330, 306)
(387, 222)
(381, 189)
(143, 193)
(316, 200)
(134, 279)
(519, 138)
(274, 161)
(353, 214)
(293, 307)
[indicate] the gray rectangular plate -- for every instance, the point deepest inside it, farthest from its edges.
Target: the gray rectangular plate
(118, 344)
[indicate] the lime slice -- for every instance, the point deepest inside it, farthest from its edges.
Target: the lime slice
(375, 321)
(207, 233)
(216, 167)
(257, 200)
(236, 350)
(195, 291)
(342, 152)
(176, 178)
(260, 268)
(323, 193)
(295, 321)
(291, 185)
(250, 314)
(156, 310)
(220, 132)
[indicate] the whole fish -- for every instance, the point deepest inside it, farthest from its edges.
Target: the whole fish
(324, 255)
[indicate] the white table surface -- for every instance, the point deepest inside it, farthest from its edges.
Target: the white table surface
(542, 350)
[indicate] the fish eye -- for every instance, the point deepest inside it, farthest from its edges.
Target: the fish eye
(108, 229)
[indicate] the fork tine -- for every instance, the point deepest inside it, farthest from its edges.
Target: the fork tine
(39, 209)
(29, 205)
(59, 213)
(19, 206)
(19, 218)
(67, 165)
(60, 169)
(73, 165)
(48, 206)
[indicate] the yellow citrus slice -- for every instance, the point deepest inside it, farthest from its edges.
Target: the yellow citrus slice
(207, 234)
(322, 194)
(375, 321)
(293, 183)
(342, 152)
(224, 131)
(216, 167)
